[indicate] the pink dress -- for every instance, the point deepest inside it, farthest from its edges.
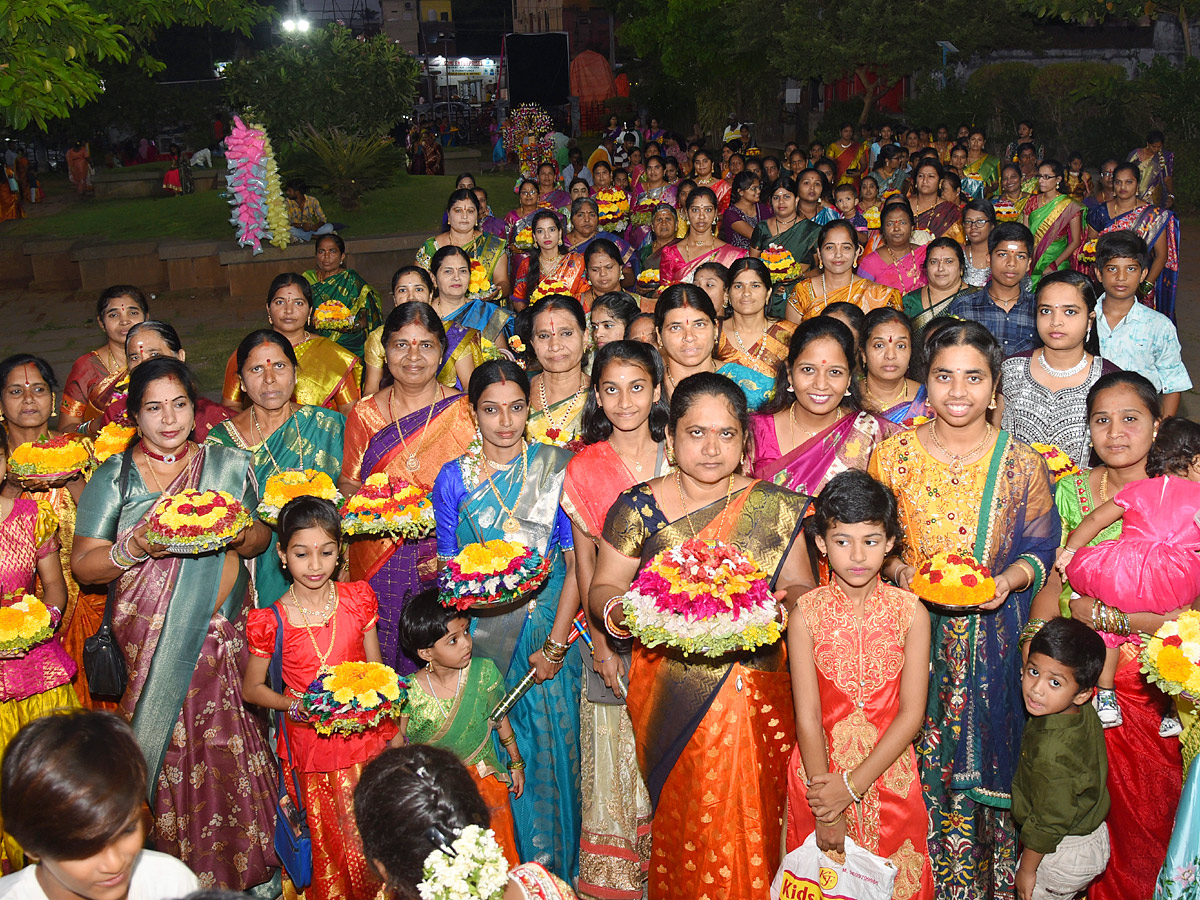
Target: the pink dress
(1152, 566)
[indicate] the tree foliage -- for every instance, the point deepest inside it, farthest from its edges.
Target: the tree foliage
(329, 80)
(51, 51)
(1090, 11)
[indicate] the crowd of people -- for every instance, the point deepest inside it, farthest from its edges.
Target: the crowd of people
(843, 423)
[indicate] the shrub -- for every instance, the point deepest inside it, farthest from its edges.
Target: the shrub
(341, 164)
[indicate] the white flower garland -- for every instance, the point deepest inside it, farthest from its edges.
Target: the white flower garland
(474, 869)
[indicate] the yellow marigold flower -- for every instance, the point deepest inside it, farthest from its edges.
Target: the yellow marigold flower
(1174, 666)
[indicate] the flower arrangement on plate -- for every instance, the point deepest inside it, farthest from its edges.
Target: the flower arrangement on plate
(474, 868)
(50, 458)
(914, 421)
(113, 438)
(614, 209)
(480, 286)
(284, 486)
(1057, 461)
(547, 288)
(642, 212)
(25, 622)
(333, 315)
(873, 217)
(352, 698)
(1170, 657)
(648, 281)
(703, 597)
(1005, 211)
(780, 263)
(386, 505)
(492, 573)
(1087, 253)
(194, 522)
(526, 132)
(524, 239)
(921, 236)
(953, 583)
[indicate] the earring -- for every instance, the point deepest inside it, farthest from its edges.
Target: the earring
(1087, 337)
(670, 457)
(992, 405)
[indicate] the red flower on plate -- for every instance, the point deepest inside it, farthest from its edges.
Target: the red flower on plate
(1173, 641)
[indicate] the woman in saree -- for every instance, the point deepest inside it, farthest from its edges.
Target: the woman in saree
(885, 362)
(327, 374)
(557, 340)
(624, 426)
(752, 345)
(27, 387)
(503, 488)
(551, 264)
(1145, 771)
(408, 283)
(279, 434)
(1012, 192)
(849, 155)
(814, 427)
(980, 168)
(550, 195)
(685, 321)
(899, 263)
(466, 321)
(890, 170)
(700, 245)
(146, 340)
(585, 224)
(664, 225)
(1055, 220)
(944, 282)
(835, 281)
(689, 711)
(463, 215)
(941, 218)
(1156, 171)
(744, 212)
(409, 429)
(649, 194)
(1159, 228)
(979, 218)
(519, 219)
(181, 620)
(705, 174)
(602, 262)
(795, 226)
(96, 379)
(331, 280)
(942, 472)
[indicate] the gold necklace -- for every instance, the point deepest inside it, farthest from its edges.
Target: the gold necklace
(323, 658)
(687, 515)
(633, 462)
(429, 681)
(414, 457)
(903, 395)
(510, 525)
(557, 427)
(762, 342)
(262, 441)
(111, 365)
(1104, 485)
(150, 465)
(956, 459)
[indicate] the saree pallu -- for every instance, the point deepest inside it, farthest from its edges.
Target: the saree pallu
(904, 274)
(859, 661)
(1151, 224)
(397, 569)
(328, 375)
(943, 220)
(985, 171)
(1153, 174)
(546, 718)
(569, 270)
(212, 778)
(352, 290)
(904, 412)
(90, 388)
(673, 268)
(479, 315)
(486, 249)
(722, 188)
(913, 304)
(847, 444)
(1050, 222)
(713, 736)
(852, 157)
(460, 725)
(753, 369)
(310, 439)
(801, 241)
(862, 292)
(1000, 509)
(642, 211)
(1145, 771)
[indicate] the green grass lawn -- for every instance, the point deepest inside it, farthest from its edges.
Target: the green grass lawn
(410, 203)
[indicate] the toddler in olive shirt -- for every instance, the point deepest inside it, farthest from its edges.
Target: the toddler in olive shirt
(1060, 792)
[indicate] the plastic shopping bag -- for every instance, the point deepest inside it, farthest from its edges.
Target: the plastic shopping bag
(808, 874)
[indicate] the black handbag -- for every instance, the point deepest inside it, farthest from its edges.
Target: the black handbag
(293, 841)
(103, 661)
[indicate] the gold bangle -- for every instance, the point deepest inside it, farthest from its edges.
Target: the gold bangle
(832, 821)
(516, 765)
(508, 741)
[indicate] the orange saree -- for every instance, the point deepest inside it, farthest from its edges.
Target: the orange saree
(713, 736)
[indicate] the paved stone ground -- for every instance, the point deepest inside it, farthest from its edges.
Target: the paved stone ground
(62, 326)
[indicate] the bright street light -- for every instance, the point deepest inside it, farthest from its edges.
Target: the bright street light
(297, 25)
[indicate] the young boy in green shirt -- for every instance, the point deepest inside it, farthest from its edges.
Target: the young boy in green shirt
(1060, 792)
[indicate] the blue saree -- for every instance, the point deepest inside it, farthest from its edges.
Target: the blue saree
(546, 719)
